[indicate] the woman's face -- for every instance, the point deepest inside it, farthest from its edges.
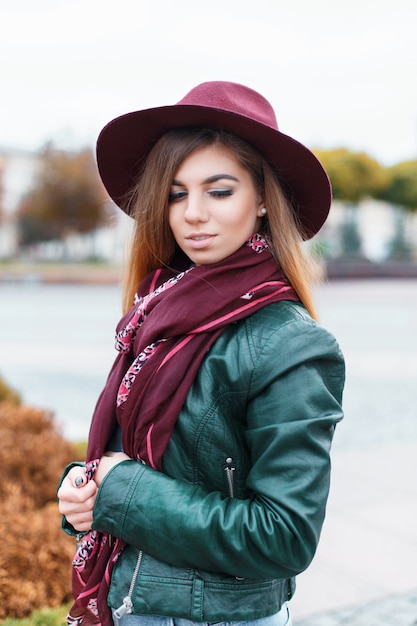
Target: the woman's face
(213, 205)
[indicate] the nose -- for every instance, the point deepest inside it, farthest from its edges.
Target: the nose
(195, 210)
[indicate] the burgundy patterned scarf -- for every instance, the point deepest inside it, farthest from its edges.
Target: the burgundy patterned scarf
(162, 341)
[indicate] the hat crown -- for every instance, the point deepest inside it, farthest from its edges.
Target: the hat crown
(234, 98)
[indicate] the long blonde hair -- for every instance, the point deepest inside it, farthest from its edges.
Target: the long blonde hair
(153, 244)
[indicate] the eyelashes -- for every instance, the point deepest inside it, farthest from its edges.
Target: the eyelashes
(220, 193)
(176, 196)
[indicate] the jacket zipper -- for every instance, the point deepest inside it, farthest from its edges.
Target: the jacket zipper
(127, 606)
(230, 468)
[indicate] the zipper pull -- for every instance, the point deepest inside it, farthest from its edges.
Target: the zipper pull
(126, 608)
(229, 468)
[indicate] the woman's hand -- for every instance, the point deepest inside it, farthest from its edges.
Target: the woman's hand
(77, 496)
(107, 462)
(76, 499)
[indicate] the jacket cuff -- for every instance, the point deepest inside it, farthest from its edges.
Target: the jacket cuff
(122, 479)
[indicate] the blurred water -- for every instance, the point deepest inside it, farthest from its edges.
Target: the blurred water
(57, 345)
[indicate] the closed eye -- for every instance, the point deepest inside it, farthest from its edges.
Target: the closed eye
(176, 196)
(220, 193)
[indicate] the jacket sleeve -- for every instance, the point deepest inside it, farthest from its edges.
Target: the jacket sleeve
(292, 409)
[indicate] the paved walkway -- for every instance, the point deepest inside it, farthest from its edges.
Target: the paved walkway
(395, 611)
(365, 570)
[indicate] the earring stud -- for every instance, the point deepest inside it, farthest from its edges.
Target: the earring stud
(263, 211)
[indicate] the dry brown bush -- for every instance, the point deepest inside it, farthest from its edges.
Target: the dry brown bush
(35, 555)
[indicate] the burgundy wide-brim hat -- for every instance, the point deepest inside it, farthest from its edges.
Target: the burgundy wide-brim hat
(125, 142)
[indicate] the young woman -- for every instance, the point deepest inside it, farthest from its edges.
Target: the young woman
(207, 472)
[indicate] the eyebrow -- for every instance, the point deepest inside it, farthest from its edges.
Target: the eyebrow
(210, 179)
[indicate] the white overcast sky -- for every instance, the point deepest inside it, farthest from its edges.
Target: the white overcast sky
(338, 72)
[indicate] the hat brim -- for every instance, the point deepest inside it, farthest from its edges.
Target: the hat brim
(126, 141)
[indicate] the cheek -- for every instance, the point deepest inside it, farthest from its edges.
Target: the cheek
(238, 214)
(248, 218)
(172, 216)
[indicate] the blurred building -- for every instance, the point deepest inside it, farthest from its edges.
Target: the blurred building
(18, 169)
(379, 228)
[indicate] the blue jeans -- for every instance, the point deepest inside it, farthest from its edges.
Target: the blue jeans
(282, 618)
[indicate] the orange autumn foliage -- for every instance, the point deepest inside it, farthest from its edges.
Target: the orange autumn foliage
(35, 554)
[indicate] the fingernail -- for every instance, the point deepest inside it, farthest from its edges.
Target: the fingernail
(79, 481)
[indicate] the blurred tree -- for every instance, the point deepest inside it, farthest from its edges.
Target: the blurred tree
(399, 248)
(354, 175)
(7, 394)
(402, 187)
(67, 197)
(350, 239)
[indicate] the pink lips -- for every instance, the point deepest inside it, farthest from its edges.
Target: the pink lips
(198, 241)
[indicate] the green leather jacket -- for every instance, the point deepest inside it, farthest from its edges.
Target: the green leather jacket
(237, 512)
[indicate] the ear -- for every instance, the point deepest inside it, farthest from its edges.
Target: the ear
(260, 210)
